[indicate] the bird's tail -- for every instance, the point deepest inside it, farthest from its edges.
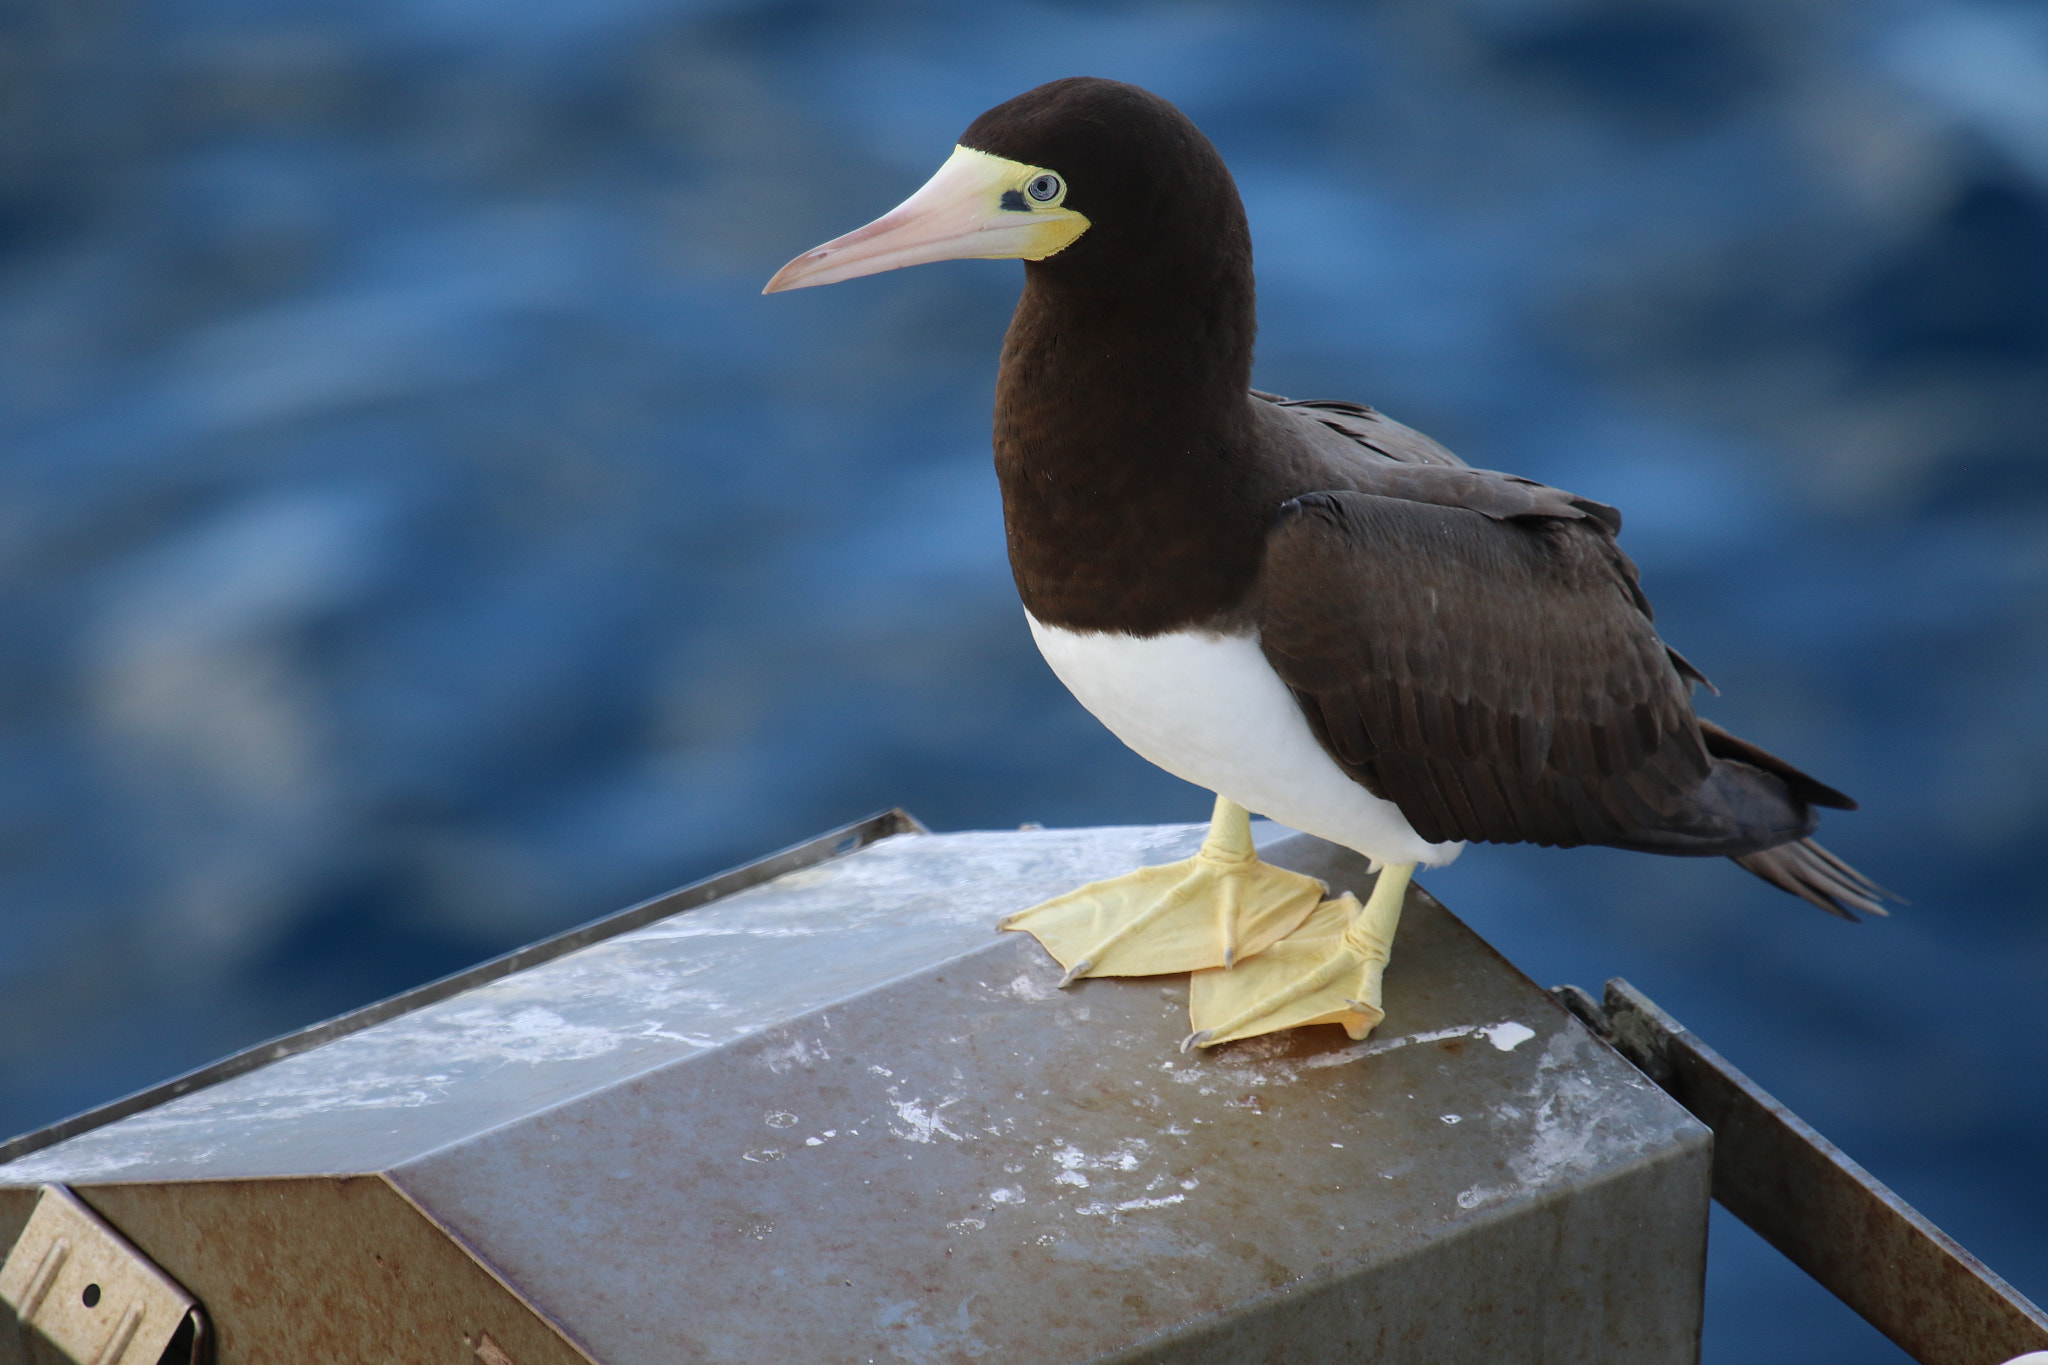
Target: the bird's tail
(1801, 867)
(1813, 874)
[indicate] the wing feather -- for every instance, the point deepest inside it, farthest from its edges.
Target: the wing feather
(1476, 649)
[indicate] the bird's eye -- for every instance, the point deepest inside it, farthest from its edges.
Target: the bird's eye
(1044, 188)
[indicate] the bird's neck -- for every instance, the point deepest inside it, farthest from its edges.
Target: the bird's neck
(1122, 429)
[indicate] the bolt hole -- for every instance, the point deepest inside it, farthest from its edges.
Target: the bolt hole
(91, 1296)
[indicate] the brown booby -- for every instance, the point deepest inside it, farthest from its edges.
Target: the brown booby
(1305, 607)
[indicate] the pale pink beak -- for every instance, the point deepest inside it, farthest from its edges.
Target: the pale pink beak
(959, 214)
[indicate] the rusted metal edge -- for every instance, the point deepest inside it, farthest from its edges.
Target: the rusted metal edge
(483, 1262)
(831, 844)
(1829, 1216)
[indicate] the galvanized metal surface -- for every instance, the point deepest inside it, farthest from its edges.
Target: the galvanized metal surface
(835, 1118)
(685, 985)
(1828, 1215)
(1043, 1177)
(80, 1292)
(811, 851)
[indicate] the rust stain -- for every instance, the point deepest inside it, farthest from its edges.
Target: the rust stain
(324, 1268)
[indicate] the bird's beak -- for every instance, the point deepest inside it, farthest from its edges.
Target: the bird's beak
(977, 206)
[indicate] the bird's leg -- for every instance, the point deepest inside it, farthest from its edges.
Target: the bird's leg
(1211, 910)
(1326, 972)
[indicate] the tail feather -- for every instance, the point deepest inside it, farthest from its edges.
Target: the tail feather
(1813, 874)
(1813, 792)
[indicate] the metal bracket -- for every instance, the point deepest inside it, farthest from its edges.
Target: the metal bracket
(78, 1286)
(1802, 1194)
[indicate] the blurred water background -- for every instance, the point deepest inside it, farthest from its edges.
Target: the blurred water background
(417, 534)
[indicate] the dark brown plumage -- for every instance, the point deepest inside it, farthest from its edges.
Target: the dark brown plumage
(1469, 645)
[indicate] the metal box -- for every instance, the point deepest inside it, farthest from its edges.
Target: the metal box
(834, 1117)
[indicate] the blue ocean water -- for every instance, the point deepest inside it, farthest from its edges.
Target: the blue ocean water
(418, 534)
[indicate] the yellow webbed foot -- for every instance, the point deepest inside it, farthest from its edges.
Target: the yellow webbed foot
(1216, 908)
(1326, 972)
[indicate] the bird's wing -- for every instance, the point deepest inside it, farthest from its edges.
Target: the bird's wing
(1474, 648)
(1369, 429)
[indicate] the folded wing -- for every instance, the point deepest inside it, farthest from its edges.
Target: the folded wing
(1474, 648)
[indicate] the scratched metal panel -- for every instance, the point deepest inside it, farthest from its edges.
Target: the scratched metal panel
(603, 1014)
(972, 1164)
(836, 1118)
(810, 852)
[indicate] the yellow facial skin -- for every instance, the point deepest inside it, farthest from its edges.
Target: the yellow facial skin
(978, 206)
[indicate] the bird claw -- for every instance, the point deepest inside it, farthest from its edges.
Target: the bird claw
(1327, 972)
(1212, 910)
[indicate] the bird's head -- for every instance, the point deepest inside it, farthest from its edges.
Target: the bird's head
(1077, 169)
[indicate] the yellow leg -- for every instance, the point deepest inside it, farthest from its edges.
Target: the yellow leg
(1326, 972)
(1211, 910)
